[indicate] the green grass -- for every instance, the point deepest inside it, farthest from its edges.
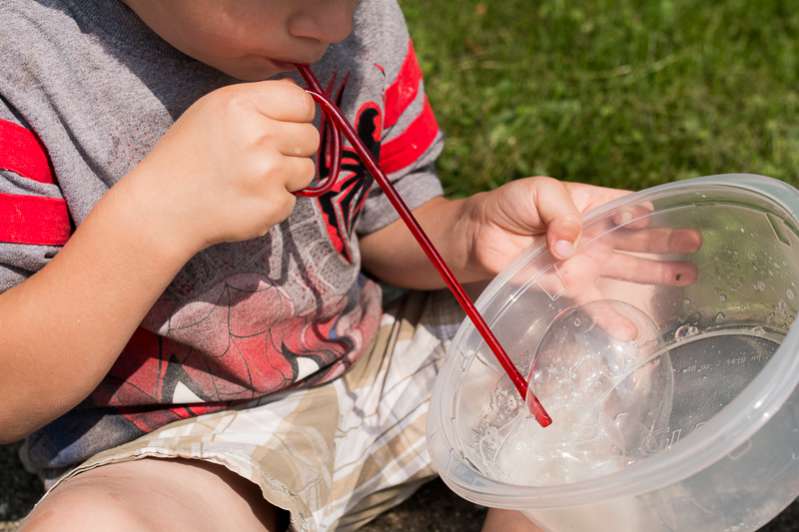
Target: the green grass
(621, 93)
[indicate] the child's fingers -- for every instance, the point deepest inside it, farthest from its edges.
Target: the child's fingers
(282, 100)
(560, 215)
(576, 279)
(299, 172)
(645, 271)
(662, 240)
(634, 216)
(588, 197)
(293, 139)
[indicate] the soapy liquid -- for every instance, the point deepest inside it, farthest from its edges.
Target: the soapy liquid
(594, 383)
(589, 440)
(532, 456)
(638, 417)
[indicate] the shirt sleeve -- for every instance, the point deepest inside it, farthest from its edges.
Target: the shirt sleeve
(410, 145)
(34, 220)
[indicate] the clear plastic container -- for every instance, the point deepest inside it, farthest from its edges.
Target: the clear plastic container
(691, 425)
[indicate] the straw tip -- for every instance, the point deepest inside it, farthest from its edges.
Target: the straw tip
(538, 411)
(544, 420)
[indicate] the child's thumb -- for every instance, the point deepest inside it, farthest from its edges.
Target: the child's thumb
(560, 215)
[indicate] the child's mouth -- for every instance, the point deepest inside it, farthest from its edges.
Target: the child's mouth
(283, 65)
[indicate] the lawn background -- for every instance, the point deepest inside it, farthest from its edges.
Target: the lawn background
(620, 93)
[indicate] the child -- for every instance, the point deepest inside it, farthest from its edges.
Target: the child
(185, 343)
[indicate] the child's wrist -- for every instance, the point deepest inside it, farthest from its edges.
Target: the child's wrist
(145, 211)
(473, 221)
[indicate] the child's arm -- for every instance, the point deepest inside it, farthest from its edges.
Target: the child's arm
(224, 172)
(64, 326)
(480, 235)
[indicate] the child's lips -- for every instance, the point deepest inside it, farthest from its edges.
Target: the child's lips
(283, 65)
(301, 59)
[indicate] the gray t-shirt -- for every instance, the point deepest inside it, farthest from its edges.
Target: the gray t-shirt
(88, 85)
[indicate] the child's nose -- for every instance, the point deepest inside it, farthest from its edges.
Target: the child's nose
(330, 23)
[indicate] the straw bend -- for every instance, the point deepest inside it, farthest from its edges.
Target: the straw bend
(342, 126)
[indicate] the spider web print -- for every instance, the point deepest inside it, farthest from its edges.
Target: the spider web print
(341, 206)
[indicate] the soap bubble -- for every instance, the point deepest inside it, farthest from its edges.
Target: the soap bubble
(600, 369)
(601, 372)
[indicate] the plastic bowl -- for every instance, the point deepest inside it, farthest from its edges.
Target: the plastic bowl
(706, 417)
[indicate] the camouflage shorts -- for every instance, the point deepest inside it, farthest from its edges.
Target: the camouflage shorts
(337, 455)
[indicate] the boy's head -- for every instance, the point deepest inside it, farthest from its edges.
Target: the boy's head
(249, 39)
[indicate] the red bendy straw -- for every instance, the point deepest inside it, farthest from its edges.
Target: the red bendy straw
(343, 126)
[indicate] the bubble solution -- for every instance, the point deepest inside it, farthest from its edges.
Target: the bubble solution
(600, 372)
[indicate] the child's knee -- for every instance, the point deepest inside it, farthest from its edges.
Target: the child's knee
(85, 508)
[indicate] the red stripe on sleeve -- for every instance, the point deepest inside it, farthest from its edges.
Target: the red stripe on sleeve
(33, 220)
(403, 151)
(403, 91)
(22, 153)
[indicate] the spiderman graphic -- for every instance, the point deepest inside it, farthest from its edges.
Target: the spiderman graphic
(340, 207)
(255, 332)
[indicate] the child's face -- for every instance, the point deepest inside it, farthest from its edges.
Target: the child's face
(249, 39)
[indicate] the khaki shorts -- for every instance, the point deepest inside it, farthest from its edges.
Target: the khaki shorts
(334, 456)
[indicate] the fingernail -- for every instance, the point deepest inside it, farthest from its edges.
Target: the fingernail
(564, 249)
(626, 332)
(626, 217)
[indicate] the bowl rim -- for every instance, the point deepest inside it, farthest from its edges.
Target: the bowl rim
(723, 433)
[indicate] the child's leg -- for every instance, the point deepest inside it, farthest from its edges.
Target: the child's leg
(155, 494)
(508, 521)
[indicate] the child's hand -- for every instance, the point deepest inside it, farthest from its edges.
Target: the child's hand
(226, 170)
(512, 217)
(521, 212)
